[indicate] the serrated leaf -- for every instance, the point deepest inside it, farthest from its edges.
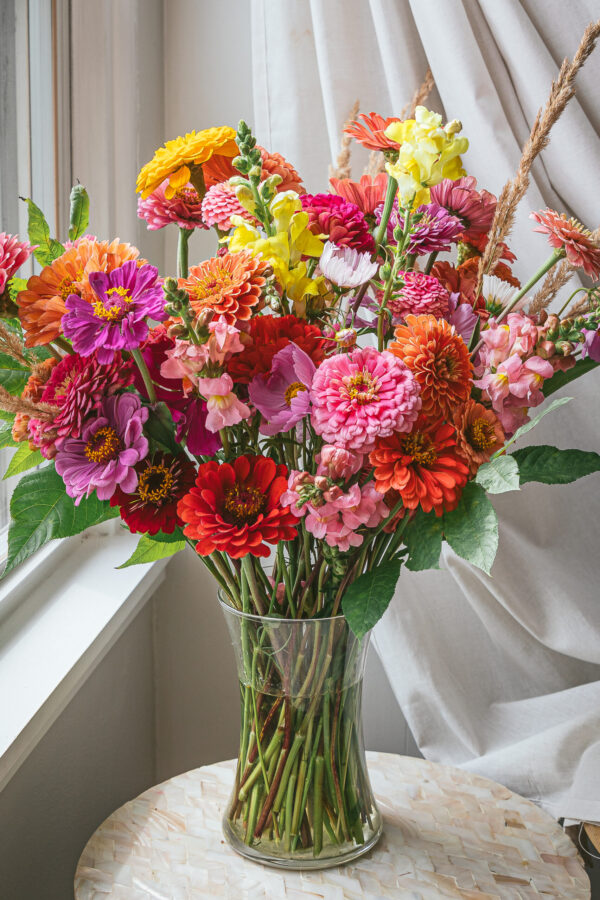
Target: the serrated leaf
(472, 528)
(533, 422)
(367, 598)
(6, 438)
(560, 379)
(15, 285)
(499, 475)
(48, 249)
(13, 375)
(549, 465)
(23, 459)
(41, 510)
(79, 213)
(423, 538)
(150, 548)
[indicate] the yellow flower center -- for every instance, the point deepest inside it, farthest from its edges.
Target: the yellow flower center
(480, 435)
(188, 195)
(295, 388)
(362, 387)
(113, 309)
(212, 284)
(244, 503)
(421, 448)
(66, 288)
(104, 445)
(155, 484)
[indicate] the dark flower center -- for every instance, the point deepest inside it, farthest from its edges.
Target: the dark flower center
(104, 445)
(244, 502)
(155, 485)
(421, 448)
(480, 434)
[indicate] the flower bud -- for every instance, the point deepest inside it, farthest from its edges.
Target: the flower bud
(204, 317)
(545, 349)
(564, 348)
(177, 330)
(346, 338)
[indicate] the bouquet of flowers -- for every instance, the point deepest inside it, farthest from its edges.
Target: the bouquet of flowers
(333, 394)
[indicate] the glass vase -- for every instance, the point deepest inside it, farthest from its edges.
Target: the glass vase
(301, 797)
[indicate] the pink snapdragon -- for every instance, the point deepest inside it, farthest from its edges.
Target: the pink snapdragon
(224, 407)
(337, 463)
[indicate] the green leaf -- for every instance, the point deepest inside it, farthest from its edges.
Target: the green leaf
(7, 416)
(47, 248)
(41, 510)
(472, 528)
(423, 538)
(23, 459)
(173, 538)
(6, 438)
(499, 475)
(161, 429)
(367, 598)
(560, 379)
(80, 212)
(13, 375)
(149, 549)
(15, 285)
(529, 425)
(549, 465)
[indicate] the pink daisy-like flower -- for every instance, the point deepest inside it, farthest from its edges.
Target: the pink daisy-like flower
(362, 395)
(283, 397)
(183, 209)
(421, 295)
(220, 204)
(345, 266)
(13, 253)
(434, 232)
(105, 456)
(474, 208)
(367, 193)
(571, 235)
(342, 222)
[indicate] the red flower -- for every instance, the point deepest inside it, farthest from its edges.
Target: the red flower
(342, 222)
(370, 132)
(162, 482)
(423, 467)
(265, 337)
(235, 507)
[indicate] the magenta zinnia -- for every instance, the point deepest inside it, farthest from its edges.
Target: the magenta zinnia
(342, 222)
(433, 232)
(421, 294)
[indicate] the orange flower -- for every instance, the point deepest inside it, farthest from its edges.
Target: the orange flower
(367, 193)
(423, 467)
(470, 267)
(229, 285)
(42, 303)
(479, 434)
(276, 164)
(580, 249)
(370, 132)
(439, 360)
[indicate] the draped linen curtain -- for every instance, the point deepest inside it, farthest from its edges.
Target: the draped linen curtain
(498, 675)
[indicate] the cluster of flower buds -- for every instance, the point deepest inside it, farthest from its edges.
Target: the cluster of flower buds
(314, 489)
(560, 337)
(189, 326)
(254, 194)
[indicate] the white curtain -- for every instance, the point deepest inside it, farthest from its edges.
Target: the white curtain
(497, 675)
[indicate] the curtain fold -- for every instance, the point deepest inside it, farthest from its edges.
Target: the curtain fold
(498, 675)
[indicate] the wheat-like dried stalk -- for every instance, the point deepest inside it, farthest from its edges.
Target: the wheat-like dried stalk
(43, 411)
(12, 346)
(552, 284)
(376, 164)
(343, 167)
(419, 97)
(562, 90)
(580, 306)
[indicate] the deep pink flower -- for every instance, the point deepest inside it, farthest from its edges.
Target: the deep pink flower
(362, 395)
(420, 295)
(220, 204)
(340, 221)
(283, 396)
(183, 209)
(462, 316)
(13, 253)
(105, 456)
(434, 232)
(474, 208)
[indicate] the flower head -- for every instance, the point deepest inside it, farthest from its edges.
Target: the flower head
(276, 164)
(163, 479)
(346, 267)
(581, 251)
(184, 208)
(106, 454)
(337, 463)
(424, 467)
(360, 395)
(371, 131)
(591, 344)
(434, 232)
(283, 397)
(479, 434)
(420, 295)
(177, 158)
(220, 204)
(117, 318)
(514, 387)
(13, 253)
(223, 406)
(229, 285)
(439, 361)
(342, 222)
(367, 193)
(266, 336)
(475, 209)
(236, 508)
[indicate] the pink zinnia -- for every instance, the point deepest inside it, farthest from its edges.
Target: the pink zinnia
(13, 253)
(342, 222)
(220, 204)
(421, 295)
(367, 193)
(474, 208)
(183, 209)
(434, 232)
(360, 396)
(283, 397)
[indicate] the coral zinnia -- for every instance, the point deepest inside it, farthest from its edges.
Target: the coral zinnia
(266, 336)
(176, 159)
(162, 481)
(370, 132)
(235, 508)
(478, 434)
(474, 208)
(184, 208)
(580, 249)
(423, 466)
(439, 360)
(276, 164)
(342, 222)
(367, 193)
(229, 285)
(13, 253)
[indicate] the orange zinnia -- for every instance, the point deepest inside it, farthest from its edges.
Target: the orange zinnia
(439, 360)
(423, 467)
(276, 164)
(570, 235)
(229, 285)
(370, 132)
(478, 434)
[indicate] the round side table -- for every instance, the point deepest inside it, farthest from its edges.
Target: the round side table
(447, 834)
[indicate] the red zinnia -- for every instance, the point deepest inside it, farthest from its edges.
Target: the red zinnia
(423, 467)
(162, 481)
(370, 132)
(265, 337)
(235, 508)
(577, 242)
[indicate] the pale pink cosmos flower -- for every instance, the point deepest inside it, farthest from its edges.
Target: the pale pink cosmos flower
(345, 266)
(13, 253)
(223, 406)
(283, 396)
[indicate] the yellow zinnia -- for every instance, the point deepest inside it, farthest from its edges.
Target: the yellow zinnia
(175, 159)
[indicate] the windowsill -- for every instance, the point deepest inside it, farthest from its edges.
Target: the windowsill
(60, 612)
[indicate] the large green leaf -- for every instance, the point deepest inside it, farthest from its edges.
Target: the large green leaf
(13, 375)
(151, 548)
(6, 438)
(549, 465)
(533, 422)
(423, 538)
(560, 379)
(367, 598)
(23, 459)
(499, 475)
(472, 528)
(41, 510)
(15, 285)
(80, 212)
(47, 248)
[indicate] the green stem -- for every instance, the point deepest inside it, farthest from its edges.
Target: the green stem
(392, 187)
(63, 344)
(430, 262)
(248, 570)
(148, 383)
(318, 807)
(182, 252)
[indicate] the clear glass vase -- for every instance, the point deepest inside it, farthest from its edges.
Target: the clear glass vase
(302, 797)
